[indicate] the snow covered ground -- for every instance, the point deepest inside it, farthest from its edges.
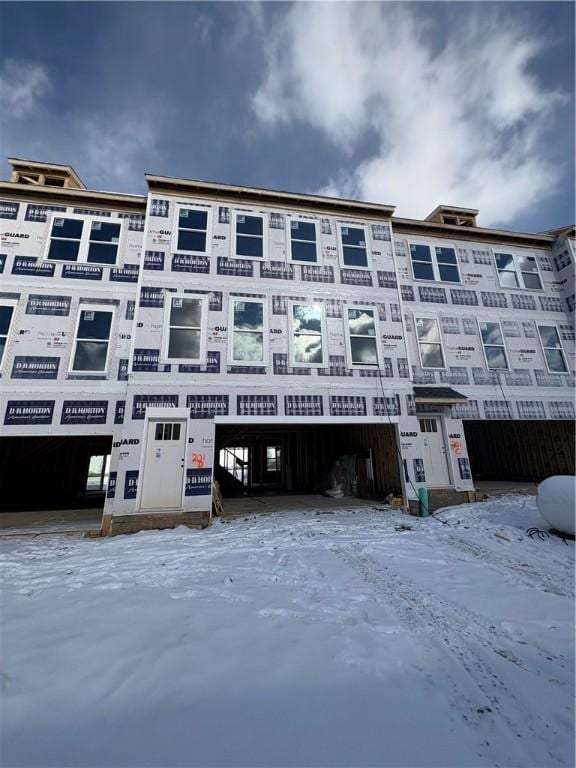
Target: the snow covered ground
(294, 639)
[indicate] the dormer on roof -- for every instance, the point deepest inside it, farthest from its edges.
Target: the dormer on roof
(450, 214)
(38, 174)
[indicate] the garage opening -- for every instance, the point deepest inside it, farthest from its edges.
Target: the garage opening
(54, 473)
(307, 459)
(512, 450)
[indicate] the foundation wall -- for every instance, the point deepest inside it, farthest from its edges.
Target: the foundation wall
(120, 524)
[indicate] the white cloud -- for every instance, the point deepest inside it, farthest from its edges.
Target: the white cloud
(204, 28)
(118, 150)
(22, 85)
(109, 152)
(460, 124)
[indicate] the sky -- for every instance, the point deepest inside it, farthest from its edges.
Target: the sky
(407, 104)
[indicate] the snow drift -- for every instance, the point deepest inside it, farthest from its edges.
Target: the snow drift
(556, 502)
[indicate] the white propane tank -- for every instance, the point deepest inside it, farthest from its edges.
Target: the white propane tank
(557, 503)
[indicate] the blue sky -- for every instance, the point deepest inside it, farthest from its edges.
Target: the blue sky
(412, 104)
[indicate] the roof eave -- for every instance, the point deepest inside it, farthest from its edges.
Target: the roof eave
(568, 231)
(14, 191)
(460, 232)
(269, 196)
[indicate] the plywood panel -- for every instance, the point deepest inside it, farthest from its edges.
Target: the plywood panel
(520, 450)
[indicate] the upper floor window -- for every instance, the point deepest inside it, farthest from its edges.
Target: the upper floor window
(6, 316)
(516, 271)
(494, 347)
(361, 325)
(248, 325)
(303, 241)
(92, 340)
(307, 334)
(192, 229)
(92, 241)
(429, 342)
(249, 235)
(185, 339)
(447, 264)
(353, 246)
(442, 266)
(552, 346)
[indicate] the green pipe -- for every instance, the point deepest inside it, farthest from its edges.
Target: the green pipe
(423, 498)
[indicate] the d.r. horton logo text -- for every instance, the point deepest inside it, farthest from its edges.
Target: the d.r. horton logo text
(48, 305)
(207, 406)
(84, 412)
(29, 412)
(27, 367)
(9, 210)
(347, 405)
(256, 405)
(140, 403)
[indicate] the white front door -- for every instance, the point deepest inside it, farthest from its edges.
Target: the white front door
(435, 461)
(163, 475)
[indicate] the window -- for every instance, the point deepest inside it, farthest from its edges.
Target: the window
(6, 315)
(552, 346)
(98, 473)
(167, 431)
(235, 460)
(421, 257)
(361, 332)
(447, 265)
(249, 235)
(103, 242)
(65, 239)
(442, 267)
(90, 354)
(307, 333)
(191, 233)
(273, 456)
(516, 271)
(248, 325)
(494, 349)
(303, 240)
(84, 240)
(184, 322)
(353, 247)
(429, 342)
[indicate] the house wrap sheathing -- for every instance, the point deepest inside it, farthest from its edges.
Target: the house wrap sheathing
(204, 317)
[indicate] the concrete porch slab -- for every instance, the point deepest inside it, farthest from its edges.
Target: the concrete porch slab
(69, 522)
(504, 488)
(250, 505)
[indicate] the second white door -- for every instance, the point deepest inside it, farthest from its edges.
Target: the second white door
(435, 459)
(163, 475)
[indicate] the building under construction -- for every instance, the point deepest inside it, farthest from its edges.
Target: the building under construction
(278, 343)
